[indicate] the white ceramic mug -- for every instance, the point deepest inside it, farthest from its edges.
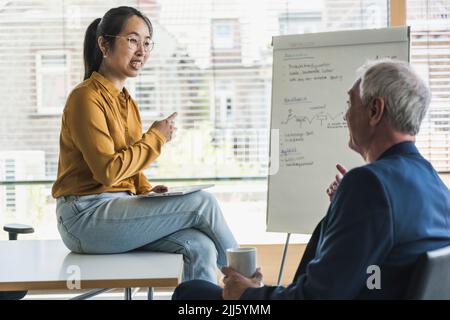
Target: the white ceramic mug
(242, 260)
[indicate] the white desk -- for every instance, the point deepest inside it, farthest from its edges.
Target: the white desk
(48, 264)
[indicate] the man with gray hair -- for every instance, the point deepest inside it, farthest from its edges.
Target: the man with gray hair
(382, 215)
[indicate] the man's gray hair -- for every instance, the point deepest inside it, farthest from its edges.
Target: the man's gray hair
(405, 94)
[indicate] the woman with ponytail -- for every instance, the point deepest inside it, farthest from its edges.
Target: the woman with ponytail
(103, 152)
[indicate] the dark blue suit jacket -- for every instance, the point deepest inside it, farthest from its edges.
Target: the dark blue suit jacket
(386, 214)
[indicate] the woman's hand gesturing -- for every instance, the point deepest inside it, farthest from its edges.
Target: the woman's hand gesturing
(166, 126)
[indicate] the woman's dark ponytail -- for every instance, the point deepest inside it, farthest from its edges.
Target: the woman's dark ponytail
(92, 53)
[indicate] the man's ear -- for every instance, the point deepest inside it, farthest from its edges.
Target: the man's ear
(377, 110)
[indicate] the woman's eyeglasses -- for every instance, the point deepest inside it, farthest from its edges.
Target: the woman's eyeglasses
(135, 41)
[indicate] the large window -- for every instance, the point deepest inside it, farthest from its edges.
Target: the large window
(212, 63)
(430, 53)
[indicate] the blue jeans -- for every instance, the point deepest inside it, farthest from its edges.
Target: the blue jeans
(115, 222)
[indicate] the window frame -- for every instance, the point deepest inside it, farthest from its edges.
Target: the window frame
(45, 70)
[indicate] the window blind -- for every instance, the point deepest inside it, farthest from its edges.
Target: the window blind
(212, 63)
(430, 53)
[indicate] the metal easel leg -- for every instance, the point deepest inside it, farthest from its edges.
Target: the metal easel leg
(127, 293)
(150, 293)
(280, 275)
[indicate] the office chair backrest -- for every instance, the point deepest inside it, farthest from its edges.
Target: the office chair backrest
(431, 276)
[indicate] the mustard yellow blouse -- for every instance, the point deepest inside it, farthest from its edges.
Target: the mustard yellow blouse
(102, 148)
